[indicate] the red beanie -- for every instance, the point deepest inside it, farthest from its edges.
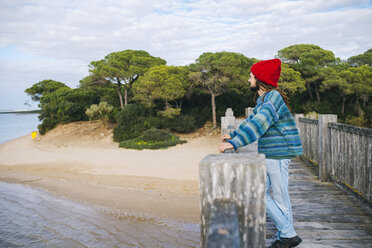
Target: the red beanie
(267, 71)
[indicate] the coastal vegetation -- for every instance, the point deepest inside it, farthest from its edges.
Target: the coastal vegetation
(102, 111)
(152, 139)
(139, 92)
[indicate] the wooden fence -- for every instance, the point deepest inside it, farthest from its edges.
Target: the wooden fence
(350, 157)
(342, 152)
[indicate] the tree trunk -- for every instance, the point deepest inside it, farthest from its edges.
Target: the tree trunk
(343, 104)
(214, 111)
(309, 90)
(317, 93)
(166, 105)
(126, 96)
(120, 96)
(358, 106)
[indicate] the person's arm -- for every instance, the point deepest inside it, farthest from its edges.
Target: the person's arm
(257, 126)
(236, 131)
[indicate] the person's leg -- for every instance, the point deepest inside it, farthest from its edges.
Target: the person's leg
(283, 200)
(269, 201)
(278, 207)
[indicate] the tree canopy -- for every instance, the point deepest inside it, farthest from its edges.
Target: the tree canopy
(181, 98)
(124, 68)
(214, 71)
(291, 81)
(361, 59)
(59, 103)
(308, 60)
(160, 83)
(44, 87)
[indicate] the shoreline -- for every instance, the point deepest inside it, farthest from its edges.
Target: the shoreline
(124, 200)
(80, 162)
(21, 112)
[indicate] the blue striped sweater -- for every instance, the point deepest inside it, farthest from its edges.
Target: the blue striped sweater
(274, 127)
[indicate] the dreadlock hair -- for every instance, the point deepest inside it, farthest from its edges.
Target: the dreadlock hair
(267, 88)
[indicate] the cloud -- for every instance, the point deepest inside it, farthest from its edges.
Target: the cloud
(60, 38)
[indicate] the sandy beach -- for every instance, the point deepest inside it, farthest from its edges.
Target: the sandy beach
(80, 161)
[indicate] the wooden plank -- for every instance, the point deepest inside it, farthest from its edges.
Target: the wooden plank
(350, 172)
(343, 153)
(368, 192)
(338, 167)
(356, 162)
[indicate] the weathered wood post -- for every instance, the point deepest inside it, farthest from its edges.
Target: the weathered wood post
(228, 122)
(248, 111)
(299, 125)
(296, 118)
(324, 148)
(233, 177)
(224, 227)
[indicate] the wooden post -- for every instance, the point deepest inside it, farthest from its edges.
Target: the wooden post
(324, 147)
(248, 112)
(224, 228)
(296, 118)
(239, 177)
(228, 122)
(299, 126)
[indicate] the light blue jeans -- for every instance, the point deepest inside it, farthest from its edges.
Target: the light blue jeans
(278, 206)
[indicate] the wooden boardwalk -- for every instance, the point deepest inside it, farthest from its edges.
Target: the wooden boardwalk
(323, 214)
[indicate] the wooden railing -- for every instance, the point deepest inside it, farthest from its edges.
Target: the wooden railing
(343, 153)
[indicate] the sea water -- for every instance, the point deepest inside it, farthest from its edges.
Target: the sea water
(16, 125)
(34, 218)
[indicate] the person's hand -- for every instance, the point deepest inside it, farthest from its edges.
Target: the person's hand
(225, 145)
(225, 137)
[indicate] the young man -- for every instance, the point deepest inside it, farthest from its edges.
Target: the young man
(272, 124)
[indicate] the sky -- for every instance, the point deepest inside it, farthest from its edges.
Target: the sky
(58, 39)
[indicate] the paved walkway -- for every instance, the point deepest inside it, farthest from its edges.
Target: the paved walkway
(323, 214)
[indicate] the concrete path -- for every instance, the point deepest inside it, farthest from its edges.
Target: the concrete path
(323, 214)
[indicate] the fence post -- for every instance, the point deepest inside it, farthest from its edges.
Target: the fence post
(224, 227)
(228, 122)
(296, 118)
(324, 148)
(299, 125)
(248, 112)
(240, 178)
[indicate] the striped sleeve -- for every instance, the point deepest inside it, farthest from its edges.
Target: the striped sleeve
(236, 131)
(252, 129)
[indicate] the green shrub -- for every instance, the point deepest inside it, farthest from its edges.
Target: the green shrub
(201, 116)
(180, 124)
(64, 105)
(152, 139)
(154, 134)
(170, 112)
(135, 119)
(131, 112)
(130, 130)
(131, 122)
(46, 125)
(311, 115)
(359, 121)
(99, 112)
